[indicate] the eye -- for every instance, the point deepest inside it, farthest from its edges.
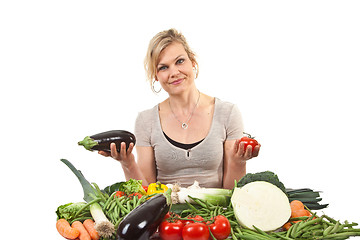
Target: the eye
(162, 68)
(180, 61)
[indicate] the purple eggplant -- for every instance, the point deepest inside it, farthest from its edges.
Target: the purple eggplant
(142, 222)
(101, 141)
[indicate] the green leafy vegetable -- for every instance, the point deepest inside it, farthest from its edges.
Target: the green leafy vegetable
(266, 176)
(102, 224)
(73, 211)
(128, 187)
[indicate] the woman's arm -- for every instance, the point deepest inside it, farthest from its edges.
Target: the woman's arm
(143, 170)
(146, 163)
(235, 158)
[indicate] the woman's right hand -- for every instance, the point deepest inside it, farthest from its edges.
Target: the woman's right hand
(124, 157)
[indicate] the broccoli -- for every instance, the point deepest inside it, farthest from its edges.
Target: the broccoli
(266, 176)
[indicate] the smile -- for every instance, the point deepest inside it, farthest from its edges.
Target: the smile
(178, 81)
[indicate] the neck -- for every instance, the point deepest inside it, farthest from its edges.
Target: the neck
(184, 103)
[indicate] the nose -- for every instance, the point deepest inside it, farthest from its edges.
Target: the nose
(174, 71)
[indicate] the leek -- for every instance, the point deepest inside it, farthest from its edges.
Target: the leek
(104, 227)
(214, 196)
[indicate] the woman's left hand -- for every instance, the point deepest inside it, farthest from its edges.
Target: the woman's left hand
(242, 154)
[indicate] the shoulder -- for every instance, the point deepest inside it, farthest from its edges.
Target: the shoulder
(225, 107)
(148, 113)
(144, 124)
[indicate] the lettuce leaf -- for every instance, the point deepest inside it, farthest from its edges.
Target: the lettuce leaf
(68, 211)
(128, 187)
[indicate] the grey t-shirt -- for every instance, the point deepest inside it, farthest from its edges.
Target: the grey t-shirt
(204, 162)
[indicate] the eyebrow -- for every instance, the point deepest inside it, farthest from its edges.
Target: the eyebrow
(163, 64)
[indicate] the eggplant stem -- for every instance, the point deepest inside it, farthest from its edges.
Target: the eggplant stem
(88, 143)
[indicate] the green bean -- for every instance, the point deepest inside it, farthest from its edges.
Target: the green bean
(99, 193)
(186, 212)
(133, 201)
(113, 204)
(140, 200)
(118, 222)
(120, 204)
(233, 234)
(128, 205)
(299, 218)
(313, 221)
(327, 230)
(351, 230)
(237, 229)
(199, 202)
(109, 199)
(342, 235)
(294, 229)
(261, 232)
(329, 218)
(335, 228)
(349, 225)
(191, 206)
(204, 210)
(233, 222)
(86, 205)
(280, 236)
(228, 214)
(116, 210)
(248, 232)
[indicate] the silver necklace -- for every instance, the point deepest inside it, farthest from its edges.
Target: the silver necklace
(184, 125)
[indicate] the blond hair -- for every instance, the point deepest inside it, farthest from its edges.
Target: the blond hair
(157, 44)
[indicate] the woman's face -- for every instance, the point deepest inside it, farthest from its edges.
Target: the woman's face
(175, 69)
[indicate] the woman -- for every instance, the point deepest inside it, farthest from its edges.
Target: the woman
(190, 135)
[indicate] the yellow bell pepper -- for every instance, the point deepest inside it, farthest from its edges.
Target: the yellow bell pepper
(156, 188)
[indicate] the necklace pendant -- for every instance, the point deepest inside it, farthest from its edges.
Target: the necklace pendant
(184, 126)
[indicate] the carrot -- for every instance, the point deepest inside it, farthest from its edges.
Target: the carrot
(84, 235)
(296, 205)
(66, 230)
(297, 210)
(287, 226)
(89, 225)
(300, 213)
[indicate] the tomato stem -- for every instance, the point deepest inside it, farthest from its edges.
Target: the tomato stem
(248, 135)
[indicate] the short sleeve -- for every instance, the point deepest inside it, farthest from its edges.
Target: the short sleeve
(143, 130)
(234, 126)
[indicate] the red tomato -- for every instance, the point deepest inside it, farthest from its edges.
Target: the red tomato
(145, 188)
(195, 231)
(191, 218)
(249, 141)
(220, 228)
(131, 196)
(171, 215)
(171, 230)
(119, 194)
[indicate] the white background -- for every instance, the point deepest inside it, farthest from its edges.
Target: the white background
(69, 69)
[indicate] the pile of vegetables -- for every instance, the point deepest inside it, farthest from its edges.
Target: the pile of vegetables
(258, 207)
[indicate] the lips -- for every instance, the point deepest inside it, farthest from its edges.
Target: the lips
(177, 81)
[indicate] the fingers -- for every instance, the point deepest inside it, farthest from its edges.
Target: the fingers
(114, 152)
(248, 152)
(105, 154)
(236, 146)
(245, 154)
(255, 153)
(123, 154)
